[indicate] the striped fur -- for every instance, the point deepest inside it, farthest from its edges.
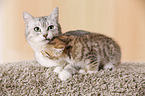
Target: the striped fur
(92, 51)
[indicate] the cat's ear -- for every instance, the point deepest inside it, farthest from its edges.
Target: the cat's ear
(27, 17)
(55, 14)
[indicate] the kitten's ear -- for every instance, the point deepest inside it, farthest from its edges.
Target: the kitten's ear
(27, 17)
(54, 14)
(60, 47)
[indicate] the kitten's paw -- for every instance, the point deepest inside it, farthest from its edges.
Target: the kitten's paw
(58, 70)
(82, 71)
(64, 75)
(109, 66)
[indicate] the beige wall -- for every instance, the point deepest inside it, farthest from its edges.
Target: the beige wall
(124, 20)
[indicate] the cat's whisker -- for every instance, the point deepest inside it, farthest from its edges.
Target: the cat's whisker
(25, 47)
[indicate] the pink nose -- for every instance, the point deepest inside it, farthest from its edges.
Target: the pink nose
(45, 35)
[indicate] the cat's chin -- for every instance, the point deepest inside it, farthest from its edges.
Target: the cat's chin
(45, 41)
(40, 43)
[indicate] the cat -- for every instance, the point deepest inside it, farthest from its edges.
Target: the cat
(39, 30)
(85, 53)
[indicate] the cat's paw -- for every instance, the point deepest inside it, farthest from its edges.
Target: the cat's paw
(109, 66)
(91, 72)
(57, 70)
(82, 71)
(64, 75)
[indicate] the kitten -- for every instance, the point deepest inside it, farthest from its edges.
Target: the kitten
(38, 32)
(85, 53)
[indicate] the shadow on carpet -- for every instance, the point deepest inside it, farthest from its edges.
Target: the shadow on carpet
(30, 78)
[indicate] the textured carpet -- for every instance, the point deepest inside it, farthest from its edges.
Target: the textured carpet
(28, 78)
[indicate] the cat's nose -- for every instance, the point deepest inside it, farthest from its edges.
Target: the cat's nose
(45, 35)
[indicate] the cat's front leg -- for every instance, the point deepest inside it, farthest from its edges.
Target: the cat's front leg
(67, 72)
(60, 67)
(64, 75)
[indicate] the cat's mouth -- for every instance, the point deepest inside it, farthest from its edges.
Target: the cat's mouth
(46, 40)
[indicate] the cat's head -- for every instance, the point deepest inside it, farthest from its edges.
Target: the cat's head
(41, 29)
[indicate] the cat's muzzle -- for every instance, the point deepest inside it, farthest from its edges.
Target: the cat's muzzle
(46, 37)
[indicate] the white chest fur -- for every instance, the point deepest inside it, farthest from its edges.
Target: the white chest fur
(44, 61)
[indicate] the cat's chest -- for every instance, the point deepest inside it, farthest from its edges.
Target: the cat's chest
(44, 61)
(37, 46)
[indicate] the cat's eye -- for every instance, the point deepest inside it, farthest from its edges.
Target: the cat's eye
(50, 27)
(37, 29)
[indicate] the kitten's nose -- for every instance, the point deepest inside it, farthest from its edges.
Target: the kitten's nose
(45, 35)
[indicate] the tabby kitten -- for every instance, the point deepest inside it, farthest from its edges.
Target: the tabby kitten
(86, 53)
(38, 32)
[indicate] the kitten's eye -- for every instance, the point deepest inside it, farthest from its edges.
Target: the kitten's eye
(37, 29)
(50, 27)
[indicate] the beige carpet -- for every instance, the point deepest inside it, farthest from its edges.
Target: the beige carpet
(28, 78)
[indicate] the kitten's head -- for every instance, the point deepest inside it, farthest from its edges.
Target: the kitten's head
(41, 29)
(56, 47)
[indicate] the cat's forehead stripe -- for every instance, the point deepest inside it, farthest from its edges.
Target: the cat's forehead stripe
(43, 21)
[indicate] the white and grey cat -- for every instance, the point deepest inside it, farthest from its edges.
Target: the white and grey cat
(38, 32)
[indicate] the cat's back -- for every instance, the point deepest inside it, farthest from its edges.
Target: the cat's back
(99, 45)
(92, 38)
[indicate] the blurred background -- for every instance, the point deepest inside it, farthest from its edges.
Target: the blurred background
(123, 20)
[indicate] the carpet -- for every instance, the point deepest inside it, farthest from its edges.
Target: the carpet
(28, 78)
